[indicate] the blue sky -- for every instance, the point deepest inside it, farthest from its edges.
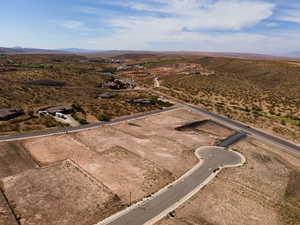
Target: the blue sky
(261, 26)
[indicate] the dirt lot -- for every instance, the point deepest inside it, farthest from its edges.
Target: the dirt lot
(264, 191)
(60, 194)
(14, 160)
(127, 161)
(139, 157)
(208, 127)
(6, 216)
(153, 138)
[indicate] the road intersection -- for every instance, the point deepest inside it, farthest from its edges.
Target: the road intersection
(211, 161)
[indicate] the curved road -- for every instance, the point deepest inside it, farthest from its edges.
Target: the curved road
(212, 159)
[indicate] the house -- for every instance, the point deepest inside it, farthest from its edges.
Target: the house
(104, 73)
(119, 84)
(9, 113)
(128, 82)
(142, 101)
(97, 60)
(138, 67)
(58, 110)
(125, 67)
(111, 85)
(106, 96)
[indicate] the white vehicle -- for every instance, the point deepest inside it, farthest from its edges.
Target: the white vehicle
(60, 115)
(43, 113)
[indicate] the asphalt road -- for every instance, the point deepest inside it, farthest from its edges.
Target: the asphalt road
(213, 158)
(242, 128)
(80, 128)
(248, 130)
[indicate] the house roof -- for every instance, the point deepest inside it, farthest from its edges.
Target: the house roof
(106, 95)
(8, 112)
(59, 109)
(142, 101)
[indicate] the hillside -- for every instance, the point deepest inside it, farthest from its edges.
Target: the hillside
(265, 93)
(38, 81)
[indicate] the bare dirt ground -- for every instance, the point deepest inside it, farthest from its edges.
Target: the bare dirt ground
(208, 127)
(116, 167)
(215, 129)
(264, 191)
(127, 162)
(14, 160)
(153, 138)
(6, 216)
(138, 157)
(60, 194)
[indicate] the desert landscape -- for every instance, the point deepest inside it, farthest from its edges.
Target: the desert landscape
(258, 92)
(117, 164)
(98, 172)
(108, 168)
(150, 112)
(262, 93)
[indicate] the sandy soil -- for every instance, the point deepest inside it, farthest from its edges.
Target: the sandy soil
(140, 156)
(119, 169)
(14, 160)
(215, 129)
(6, 216)
(153, 138)
(132, 160)
(135, 176)
(208, 127)
(60, 194)
(249, 195)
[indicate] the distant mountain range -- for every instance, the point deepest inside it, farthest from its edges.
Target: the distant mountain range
(20, 50)
(294, 54)
(110, 53)
(77, 50)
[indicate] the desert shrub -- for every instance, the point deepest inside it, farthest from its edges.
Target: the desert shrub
(104, 117)
(109, 69)
(8, 127)
(77, 107)
(79, 119)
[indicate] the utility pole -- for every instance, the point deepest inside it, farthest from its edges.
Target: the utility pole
(130, 198)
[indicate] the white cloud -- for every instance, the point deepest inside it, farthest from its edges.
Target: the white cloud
(197, 16)
(272, 24)
(208, 14)
(196, 25)
(72, 24)
(291, 15)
